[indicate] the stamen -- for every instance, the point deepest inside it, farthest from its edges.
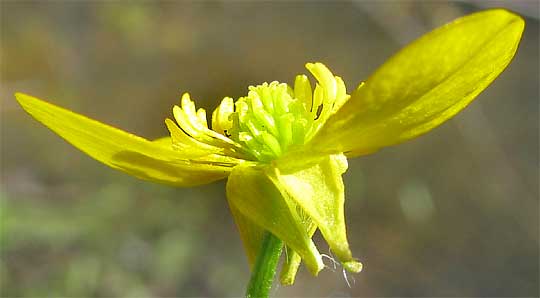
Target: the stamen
(221, 121)
(318, 97)
(302, 91)
(201, 114)
(325, 78)
(341, 94)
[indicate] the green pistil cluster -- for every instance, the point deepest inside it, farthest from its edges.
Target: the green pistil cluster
(269, 120)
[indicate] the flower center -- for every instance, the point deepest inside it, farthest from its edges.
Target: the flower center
(269, 120)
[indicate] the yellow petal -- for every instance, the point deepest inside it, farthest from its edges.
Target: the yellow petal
(124, 151)
(424, 84)
(255, 196)
(163, 141)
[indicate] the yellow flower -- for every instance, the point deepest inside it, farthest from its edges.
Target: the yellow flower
(284, 148)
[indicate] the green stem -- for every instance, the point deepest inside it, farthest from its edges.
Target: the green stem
(264, 270)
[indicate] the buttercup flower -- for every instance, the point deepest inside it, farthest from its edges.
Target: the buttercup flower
(284, 147)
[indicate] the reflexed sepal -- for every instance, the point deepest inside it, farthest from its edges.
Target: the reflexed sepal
(255, 196)
(293, 259)
(290, 267)
(251, 234)
(319, 191)
(292, 203)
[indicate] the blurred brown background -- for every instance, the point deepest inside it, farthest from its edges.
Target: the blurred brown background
(453, 213)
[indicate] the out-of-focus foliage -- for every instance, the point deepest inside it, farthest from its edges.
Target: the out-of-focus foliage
(453, 213)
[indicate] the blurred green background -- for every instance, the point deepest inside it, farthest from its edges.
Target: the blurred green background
(453, 213)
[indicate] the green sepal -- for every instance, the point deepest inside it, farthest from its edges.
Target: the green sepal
(290, 267)
(318, 189)
(293, 259)
(250, 233)
(258, 198)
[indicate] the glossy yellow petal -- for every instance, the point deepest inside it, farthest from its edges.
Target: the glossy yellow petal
(163, 141)
(255, 196)
(124, 151)
(424, 84)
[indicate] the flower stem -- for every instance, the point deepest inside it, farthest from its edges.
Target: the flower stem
(264, 270)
